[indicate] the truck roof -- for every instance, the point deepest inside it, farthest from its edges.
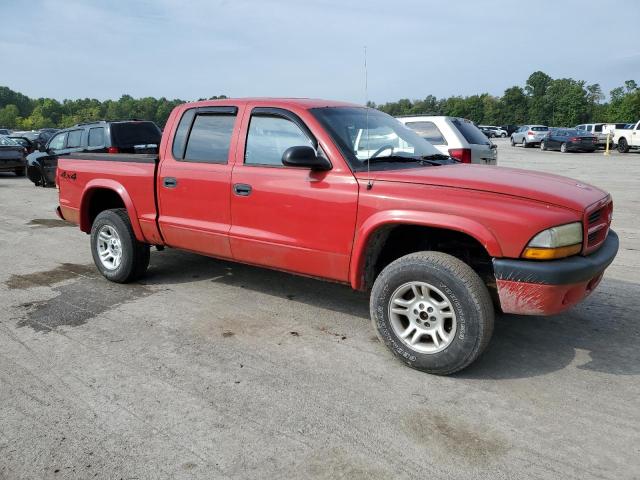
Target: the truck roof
(305, 103)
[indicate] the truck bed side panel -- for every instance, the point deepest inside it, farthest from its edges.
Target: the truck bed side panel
(132, 177)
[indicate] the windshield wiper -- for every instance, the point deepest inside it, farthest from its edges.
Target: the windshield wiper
(437, 159)
(395, 158)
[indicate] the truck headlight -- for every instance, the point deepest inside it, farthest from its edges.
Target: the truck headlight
(556, 242)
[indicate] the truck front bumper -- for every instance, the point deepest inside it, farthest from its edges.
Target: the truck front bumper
(543, 288)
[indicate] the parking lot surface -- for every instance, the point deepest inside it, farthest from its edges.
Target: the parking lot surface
(210, 369)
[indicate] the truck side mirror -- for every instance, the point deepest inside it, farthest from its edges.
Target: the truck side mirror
(304, 156)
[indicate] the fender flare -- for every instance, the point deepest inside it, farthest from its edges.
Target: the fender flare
(113, 185)
(444, 221)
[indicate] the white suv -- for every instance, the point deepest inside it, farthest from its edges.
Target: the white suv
(457, 137)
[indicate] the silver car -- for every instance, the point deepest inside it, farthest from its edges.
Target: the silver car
(529, 135)
(597, 130)
(456, 137)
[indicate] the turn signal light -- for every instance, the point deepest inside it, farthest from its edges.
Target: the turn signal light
(536, 253)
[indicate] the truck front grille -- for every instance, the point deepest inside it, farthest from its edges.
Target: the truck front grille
(597, 222)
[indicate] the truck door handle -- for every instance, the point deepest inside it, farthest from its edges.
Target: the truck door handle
(169, 182)
(242, 189)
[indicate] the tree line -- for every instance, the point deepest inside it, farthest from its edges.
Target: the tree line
(18, 111)
(544, 100)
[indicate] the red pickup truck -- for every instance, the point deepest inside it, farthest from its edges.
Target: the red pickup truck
(280, 183)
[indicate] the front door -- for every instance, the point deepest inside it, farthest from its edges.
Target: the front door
(194, 182)
(289, 218)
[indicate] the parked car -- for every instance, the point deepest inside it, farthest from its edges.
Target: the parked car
(493, 131)
(43, 137)
(5, 131)
(569, 140)
(25, 142)
(596, 129)
(488, 132)
(627, 138)
(281, 183)
(11, 156)
(529, 135)
(457, 137)
(510, 129)
(123, 136)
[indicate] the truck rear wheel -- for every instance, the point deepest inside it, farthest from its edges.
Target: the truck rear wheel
(432, 311)
(623, 146)
(116, 252)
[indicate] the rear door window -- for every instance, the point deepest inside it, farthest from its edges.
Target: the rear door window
(74, 140)
(96, 137)
(429, 131)
(470, 132)
(180, 137)
(210, 139)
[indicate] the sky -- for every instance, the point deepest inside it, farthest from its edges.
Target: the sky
(191, 49)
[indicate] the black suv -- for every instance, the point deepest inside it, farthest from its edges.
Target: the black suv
(122, 136)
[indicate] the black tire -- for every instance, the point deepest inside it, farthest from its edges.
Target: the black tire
(20, 172)
(135, 255)
(524, 142)
(467, 294)
(623, 146)
(503, 135)
(563, 148)
(513, 144)
(35, 175)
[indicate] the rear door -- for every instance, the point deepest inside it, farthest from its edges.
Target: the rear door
(193, 181)
(289, 218)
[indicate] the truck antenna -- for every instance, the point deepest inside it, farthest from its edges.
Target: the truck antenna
(366, 103)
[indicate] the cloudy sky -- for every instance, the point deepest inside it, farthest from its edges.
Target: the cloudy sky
(310, 48)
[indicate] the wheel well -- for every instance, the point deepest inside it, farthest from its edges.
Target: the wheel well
(391, 242)
(100, 199)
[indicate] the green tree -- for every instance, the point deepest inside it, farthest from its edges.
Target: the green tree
(567, 99)
(514, 106)
(9, 116)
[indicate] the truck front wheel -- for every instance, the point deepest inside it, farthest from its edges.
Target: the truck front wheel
(116, 252)
(432, 311)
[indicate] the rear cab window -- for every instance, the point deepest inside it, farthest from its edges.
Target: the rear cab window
(470, 132)
(429, 131)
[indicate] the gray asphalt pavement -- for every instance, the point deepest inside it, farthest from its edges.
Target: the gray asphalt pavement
(209, 369)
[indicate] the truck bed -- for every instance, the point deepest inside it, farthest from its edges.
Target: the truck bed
(132, 176)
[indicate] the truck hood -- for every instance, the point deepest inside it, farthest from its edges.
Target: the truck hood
(541, 187)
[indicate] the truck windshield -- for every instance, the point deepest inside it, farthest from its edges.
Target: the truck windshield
(364, 133)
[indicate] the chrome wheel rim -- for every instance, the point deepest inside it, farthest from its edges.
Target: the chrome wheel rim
(422, 317)
(109, 247)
